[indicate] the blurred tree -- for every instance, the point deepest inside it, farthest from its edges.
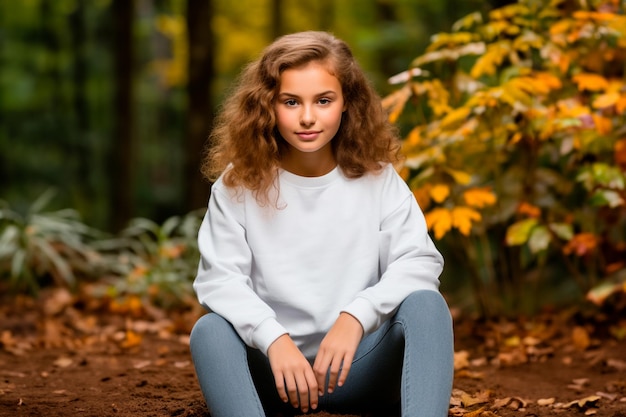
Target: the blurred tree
(123, 149)
(200, 107)
(79, 146)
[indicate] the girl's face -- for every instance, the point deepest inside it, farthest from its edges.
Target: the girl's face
(308, 110)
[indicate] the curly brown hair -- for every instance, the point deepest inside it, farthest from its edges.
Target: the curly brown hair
(245, 138)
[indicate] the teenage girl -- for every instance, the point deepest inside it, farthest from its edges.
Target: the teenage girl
(316, 267)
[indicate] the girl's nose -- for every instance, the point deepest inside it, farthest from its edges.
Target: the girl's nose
(307, 117)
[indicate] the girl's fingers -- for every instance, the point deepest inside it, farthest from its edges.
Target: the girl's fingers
(280, 387)
(303, 394)
(320, 368)
(292, 391)
(345, 370)
(333, 373)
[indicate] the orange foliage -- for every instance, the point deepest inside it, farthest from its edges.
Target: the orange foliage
(529, 210)
(581, 244)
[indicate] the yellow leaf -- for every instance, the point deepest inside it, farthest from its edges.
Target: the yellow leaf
(440, 221)
(440, 192)
(479, 197)
(606, 100)
(560, 27)
(395, 102)
(603, 125)
(491, 59)
(462, 218)
(412, 140)
(455, 116)
(460, 177)
(438, 97)
(590, 82)
(422, 196)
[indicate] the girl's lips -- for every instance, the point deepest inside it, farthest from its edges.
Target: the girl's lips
(308, 135)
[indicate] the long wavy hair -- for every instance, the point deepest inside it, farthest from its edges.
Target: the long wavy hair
(245, 138)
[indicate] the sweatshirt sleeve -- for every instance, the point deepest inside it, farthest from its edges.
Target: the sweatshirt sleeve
(223, 283)
(408, 258)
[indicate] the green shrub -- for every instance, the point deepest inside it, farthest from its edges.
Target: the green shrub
(154, 262)
(39, 247)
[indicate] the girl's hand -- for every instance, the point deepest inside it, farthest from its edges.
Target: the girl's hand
(294, 377)
(337, 351)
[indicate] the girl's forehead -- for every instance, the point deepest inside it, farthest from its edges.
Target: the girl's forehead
(322, 64)
(309, 81)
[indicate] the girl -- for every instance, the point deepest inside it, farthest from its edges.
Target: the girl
(316, 265)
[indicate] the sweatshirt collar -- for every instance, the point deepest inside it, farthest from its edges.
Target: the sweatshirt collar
(310, 182)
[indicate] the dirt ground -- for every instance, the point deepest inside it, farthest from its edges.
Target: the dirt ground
(60, 356)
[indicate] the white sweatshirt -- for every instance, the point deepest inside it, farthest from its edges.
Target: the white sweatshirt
(333, 245)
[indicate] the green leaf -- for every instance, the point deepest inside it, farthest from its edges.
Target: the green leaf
(42, 201)
(519, 233)
(607, 198)
(539, 239)
(562, 230)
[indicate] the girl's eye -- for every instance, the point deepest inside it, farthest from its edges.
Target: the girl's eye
(324, 101)
(291, 102)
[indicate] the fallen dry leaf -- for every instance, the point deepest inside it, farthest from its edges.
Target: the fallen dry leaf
(476, 413)
(583, 402)
(132, 339)
(512, 403)
(546, 401)
(63, 362)
(461, 360)
(466, 373)
(618, 364)
(580, 338)
(480, 398)
(610, 397)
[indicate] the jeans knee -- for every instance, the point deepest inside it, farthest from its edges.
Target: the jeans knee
(426, 304)
(209, 327)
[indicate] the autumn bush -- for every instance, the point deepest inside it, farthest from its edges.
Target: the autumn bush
(515, 144)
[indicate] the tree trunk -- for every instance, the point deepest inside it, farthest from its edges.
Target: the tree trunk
(79, 146)
(200, 110)
(122, 178)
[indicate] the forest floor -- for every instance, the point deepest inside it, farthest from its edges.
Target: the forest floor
(67, 355)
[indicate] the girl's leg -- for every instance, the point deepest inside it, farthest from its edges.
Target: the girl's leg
(428, 370)
(410, 356)
(220, 358)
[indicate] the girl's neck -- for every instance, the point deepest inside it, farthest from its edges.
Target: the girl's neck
(308, 165)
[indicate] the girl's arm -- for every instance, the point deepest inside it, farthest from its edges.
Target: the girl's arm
(223, 283)
(408, 258)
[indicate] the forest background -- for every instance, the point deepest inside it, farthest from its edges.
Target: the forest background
(513, 114)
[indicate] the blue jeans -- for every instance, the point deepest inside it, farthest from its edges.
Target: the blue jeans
(405, 365)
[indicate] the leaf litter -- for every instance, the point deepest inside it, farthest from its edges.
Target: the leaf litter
(67, 354)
